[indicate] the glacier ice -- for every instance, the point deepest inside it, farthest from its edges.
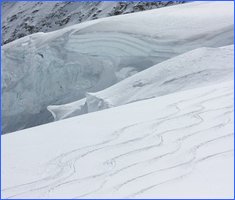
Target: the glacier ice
(62, 66)
(199, 67)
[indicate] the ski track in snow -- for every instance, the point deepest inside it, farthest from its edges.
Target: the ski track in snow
(140, 157)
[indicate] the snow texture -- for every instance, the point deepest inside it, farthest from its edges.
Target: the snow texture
(62, 66)
(174, 146)
(166, 76)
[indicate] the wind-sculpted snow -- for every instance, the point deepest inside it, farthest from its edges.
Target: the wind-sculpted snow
(24, 18)
(193, 69)
(175, 146)
(67, 110)
(60, 67)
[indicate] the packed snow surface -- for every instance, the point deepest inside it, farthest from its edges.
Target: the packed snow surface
(174, 146)
(193, 69)
(61, 66)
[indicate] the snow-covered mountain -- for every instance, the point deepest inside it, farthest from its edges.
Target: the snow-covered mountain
(62, 66)
(197, 68)
(169, 87)
(174, 146)
(24, 18)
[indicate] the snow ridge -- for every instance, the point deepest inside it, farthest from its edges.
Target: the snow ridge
(197, 68)
(20, 19)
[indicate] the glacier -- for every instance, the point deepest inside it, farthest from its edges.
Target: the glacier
(60, 67)
(197, 68)
(167, 79)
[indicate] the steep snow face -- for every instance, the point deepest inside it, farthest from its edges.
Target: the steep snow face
(193, 69)
(175, 146)
(24, 18)
(60, 67)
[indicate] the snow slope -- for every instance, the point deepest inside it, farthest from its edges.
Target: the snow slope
(24, 18)
(193, 69)
(60, 67)
(174, 146)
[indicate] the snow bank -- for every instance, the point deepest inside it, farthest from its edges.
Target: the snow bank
(193, 69)
(61, 66)
(174, 146)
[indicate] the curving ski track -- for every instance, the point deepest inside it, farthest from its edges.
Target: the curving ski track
(140, 157)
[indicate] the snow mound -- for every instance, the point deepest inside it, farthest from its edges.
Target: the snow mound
(165, 147)
(193, 69)
(62, 66)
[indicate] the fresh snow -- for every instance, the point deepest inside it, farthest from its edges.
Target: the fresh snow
(193, 69)
(60, 67)
(174, 146)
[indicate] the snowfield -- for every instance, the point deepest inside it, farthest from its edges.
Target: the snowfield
(167, 79)
(175, 146)
(60, 67)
